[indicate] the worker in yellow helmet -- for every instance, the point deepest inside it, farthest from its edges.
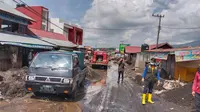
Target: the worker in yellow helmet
(150, 79)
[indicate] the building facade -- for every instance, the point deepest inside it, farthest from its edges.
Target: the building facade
(39, 13)
(73, 33)
(15, 43)
(42, 22)
(61, 27)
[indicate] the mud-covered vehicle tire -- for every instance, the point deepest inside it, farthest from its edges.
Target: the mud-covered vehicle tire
(73, 95)
(82, 84)
(93, 66)
(105, 67)
(37, 94)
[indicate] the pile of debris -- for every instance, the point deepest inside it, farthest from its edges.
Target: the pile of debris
(181, 95)
(167, 85)
(171, 84)
(12, 83)
(93, 75)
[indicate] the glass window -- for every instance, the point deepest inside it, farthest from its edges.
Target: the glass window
(45, 60)
(22, 29)
(51, 30)
(44, 15)
(6, 25)
(43, 27)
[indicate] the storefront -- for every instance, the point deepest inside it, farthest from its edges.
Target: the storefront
(15, 50)
(179, 64)
(186, 64)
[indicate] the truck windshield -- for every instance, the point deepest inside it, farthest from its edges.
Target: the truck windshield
(50, 60)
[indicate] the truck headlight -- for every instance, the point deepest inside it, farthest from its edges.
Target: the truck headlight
(67, 81)
(30, 78)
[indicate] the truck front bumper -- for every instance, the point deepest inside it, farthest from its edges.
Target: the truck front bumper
(54, 87)
(104, 64)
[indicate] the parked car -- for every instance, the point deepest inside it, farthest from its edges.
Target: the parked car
(56, 72)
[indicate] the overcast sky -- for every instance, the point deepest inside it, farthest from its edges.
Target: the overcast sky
(107, 22)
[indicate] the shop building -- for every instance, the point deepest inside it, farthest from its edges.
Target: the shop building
(15, 43)
(138, 58)
(179, 63)
(73, 33)
(40, 14)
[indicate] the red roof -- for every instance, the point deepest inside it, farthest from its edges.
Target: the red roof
(132, 49)
(159, 46)
(51, 35)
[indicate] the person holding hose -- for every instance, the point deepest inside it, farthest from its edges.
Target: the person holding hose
(150, 79)
(196, 89)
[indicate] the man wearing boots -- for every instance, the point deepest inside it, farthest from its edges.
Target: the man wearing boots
(150, 79)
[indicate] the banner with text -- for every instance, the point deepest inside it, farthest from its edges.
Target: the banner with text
(162, 56)
(187, 55)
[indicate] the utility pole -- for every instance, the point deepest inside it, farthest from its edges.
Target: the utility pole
(159, 27)
(122, 42)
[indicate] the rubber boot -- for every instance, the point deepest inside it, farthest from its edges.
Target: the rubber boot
(143, 99)
(150, 98)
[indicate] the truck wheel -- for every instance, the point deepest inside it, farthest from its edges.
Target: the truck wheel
(74, 94)
(82, 83)
(37, 94)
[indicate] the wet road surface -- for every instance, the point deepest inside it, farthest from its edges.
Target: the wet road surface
(124, 97)
(97, 97)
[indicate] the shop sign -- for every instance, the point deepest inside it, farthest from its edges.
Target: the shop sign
(122, 47)
(162, 56)
(187, 55)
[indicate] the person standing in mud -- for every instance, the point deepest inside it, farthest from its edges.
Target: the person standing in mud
(150, 79)
(196, 89)
(121, 67)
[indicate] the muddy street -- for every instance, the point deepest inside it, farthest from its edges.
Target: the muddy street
(94, 97)
(43, 103)
(125, 97)
(53, 103)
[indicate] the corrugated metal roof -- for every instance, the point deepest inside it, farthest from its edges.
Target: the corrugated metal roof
(132, 49)
(4, 37)
(59, 42)
(51, 35)
(175, 49)
(54, 38)
(9, 9)
(159, 45)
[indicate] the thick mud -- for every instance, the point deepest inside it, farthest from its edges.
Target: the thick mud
(16, 102)
(125, 97)
(102, 96)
